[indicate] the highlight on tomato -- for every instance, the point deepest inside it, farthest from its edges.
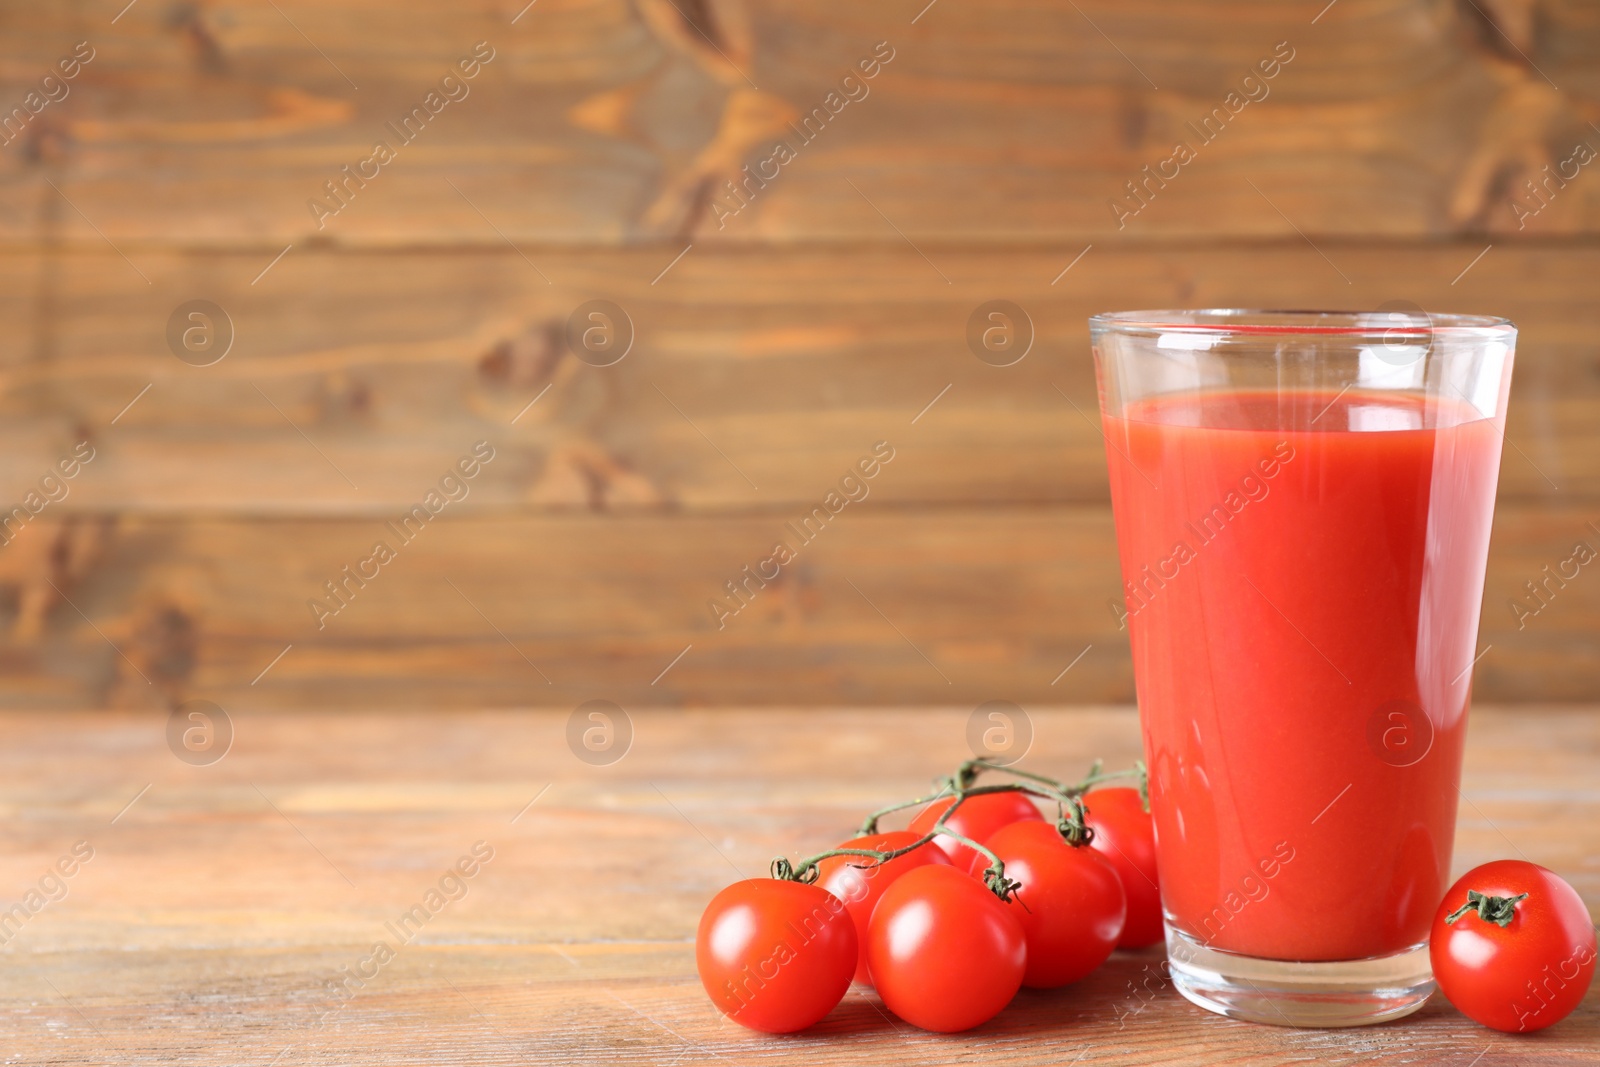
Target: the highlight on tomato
(1072, 902)
(776, 955)
(1513, 946)
(861, 883)
(945, 953)
(1125, 834)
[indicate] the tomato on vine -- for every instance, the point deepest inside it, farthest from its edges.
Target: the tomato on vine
(1072, 902)
(945, 953)
(1125, 834)
(776, 955)
(1513, 946)
(899, 910)
(861, 883)
(979, 816)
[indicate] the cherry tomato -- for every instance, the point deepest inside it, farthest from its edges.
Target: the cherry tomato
(1073, 906)
(943, 950)
(1528, 963)
(861, 886)
(775, 955)
(1125, 835)
(977, 818)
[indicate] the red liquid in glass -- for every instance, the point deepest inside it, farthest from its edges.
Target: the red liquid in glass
(1303, 574)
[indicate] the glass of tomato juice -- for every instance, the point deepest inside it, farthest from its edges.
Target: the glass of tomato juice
(1302, 505)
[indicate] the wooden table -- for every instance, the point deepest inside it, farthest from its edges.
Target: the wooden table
(222, 901)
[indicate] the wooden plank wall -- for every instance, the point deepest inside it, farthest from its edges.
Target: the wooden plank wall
(386, 311)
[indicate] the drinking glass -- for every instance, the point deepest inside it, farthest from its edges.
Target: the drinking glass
(1302, 505)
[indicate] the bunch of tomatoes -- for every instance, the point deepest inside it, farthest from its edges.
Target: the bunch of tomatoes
(979, 896)
(982, 894)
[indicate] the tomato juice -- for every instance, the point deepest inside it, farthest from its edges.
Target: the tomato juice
(1302, 577)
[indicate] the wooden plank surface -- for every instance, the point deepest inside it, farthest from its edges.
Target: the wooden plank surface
(212, 124)
(757, 377)
(220, 902)
(618, 506)
(773, 348)
(884, 607)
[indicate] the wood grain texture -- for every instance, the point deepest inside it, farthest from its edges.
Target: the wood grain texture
(214, 124)
(885, 606)
(757, 377)
(220, 904)
(773, 347)
(625, 498)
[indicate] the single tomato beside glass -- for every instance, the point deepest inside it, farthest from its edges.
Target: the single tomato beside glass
(1513, 946)
(776, 955)
(860, 883)
(978, 816)
(1072, 903)
(1125, 834)
(945, 953)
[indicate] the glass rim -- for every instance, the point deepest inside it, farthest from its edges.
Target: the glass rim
(1257, 321)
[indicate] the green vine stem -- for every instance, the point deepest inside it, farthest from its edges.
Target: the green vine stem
(970, 769)
(1070, 822)
(947, 787)
(967, 773)
(994, 876)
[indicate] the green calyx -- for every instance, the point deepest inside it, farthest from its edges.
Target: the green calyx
(1497, 910)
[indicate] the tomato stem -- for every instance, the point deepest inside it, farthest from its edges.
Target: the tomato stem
(807, 869)
(994, 875)
(1072, 825)
(960, 784)
(970, 769)
(1497, 910)
(947, 787)
(1070, 822)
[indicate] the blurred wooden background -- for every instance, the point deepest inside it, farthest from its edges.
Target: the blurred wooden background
(773, 346)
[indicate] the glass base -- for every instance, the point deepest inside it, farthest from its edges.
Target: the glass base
(1282, 993)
